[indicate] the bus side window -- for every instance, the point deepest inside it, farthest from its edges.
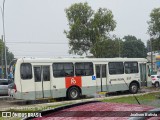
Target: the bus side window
(63, 69)
(84, 68)
(26, 71)
(116, 68)
(97, 71)
(131, 67)
(46, 73)
(37, 74)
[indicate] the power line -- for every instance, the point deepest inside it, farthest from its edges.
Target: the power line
(35, 43)
(21, 51)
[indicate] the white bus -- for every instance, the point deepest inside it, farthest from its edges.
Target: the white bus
(38, 78)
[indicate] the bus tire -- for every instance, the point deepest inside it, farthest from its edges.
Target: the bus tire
(73, 93)
(156, 84)
(133, 88)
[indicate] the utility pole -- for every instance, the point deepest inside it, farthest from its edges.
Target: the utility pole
(2, 57)
(151, 56)
(5, 51)
(119, 47)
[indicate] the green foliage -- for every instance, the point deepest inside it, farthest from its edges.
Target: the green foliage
(79, 18)
(1, 46)
(10, 55)
(146, 99)
(154, 29)
(108, 48)
(88, 30)
(155, 44)
(102, 24)
(133, 47)
(154, 23)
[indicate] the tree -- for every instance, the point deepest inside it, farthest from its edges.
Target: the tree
(109, 48)
(154, 23)
(79, 19)
(10, 55)
(133, 47)
(154, 28)
(88, 29)
(155, 43)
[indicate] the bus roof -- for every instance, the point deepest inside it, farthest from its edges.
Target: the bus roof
(80, 59)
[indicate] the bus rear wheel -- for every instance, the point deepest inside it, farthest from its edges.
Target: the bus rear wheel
(156, 84)
(133, 88)
(73, 93)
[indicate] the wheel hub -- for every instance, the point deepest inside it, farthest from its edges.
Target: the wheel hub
(74, 94)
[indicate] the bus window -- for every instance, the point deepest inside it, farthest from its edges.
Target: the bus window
(98, 67)
(26, 71)
(97, 71)
(63, 69)
(37, 74)
(46, 73)
(84, 69)
(131, 67)
(103, 71)
(116, 68)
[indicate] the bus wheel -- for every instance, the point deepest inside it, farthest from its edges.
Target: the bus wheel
(73, 93)
(156, 84)
(133, 88)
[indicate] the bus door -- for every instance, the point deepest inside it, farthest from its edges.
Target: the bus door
(143, 74)
(101, 77)
(42, 81)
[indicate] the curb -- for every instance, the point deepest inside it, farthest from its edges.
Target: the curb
(4, 97)
(46, 105)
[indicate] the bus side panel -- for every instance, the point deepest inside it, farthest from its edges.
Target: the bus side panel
(17, 81)
(57, 93)
(28, 88)
(121, 82)
(25, 88)
(58, 88)
(116, 83)
(88, 85)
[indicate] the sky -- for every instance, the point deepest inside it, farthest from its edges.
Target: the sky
(35, 28)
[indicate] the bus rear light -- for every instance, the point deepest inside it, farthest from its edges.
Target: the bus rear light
(15, 88)
(153, 78)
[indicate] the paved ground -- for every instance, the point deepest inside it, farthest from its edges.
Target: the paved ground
(6, 103)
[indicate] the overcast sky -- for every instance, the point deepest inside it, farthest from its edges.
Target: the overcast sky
(31, 21)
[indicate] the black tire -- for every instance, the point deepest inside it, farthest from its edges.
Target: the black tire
(156, 84)
(73, 93)
(133, 88)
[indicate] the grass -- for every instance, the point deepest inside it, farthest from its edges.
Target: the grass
(147, 99)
